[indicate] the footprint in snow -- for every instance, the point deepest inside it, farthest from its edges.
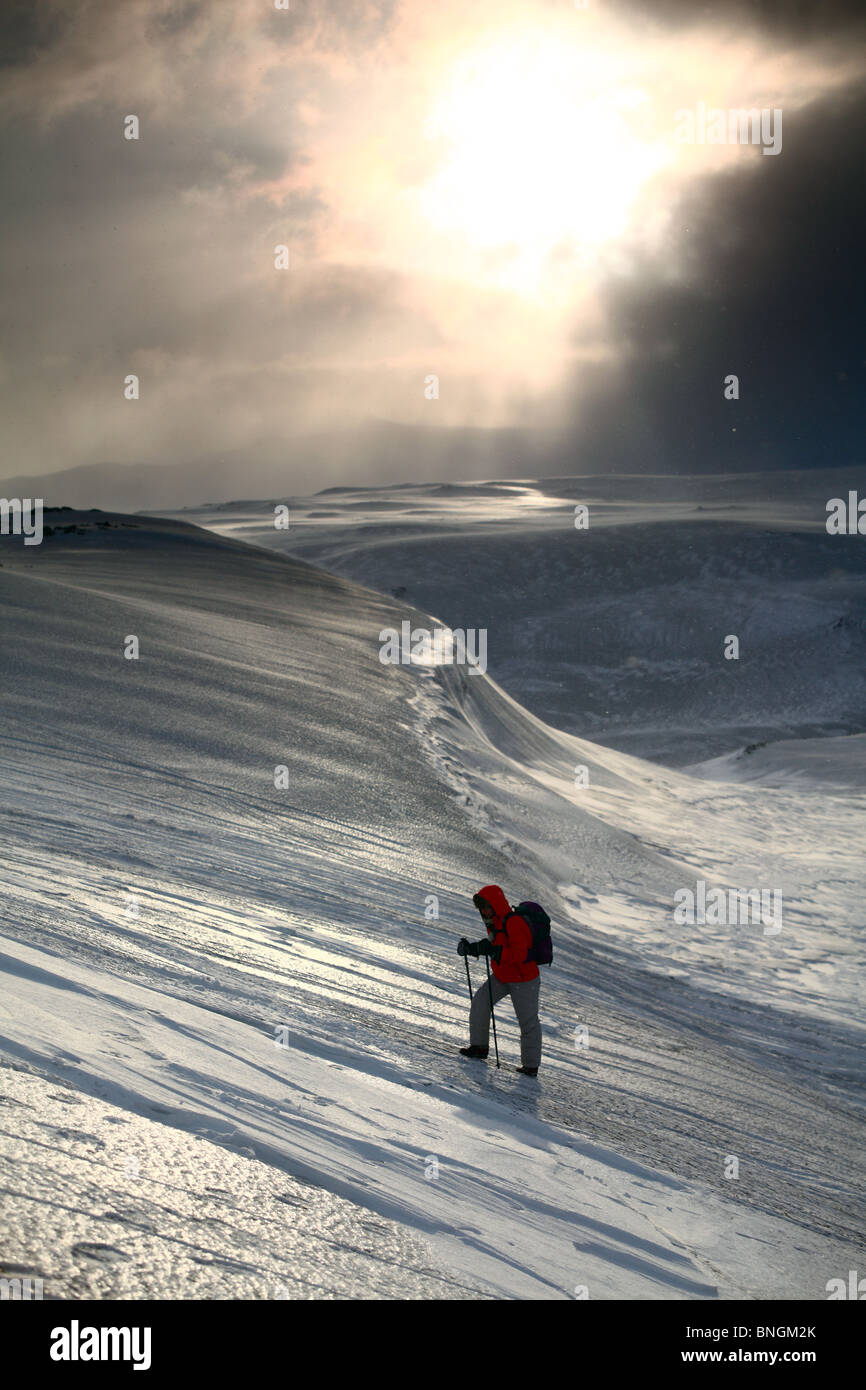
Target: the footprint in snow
(128, 1218)
(78, 1136)
(100, 1254)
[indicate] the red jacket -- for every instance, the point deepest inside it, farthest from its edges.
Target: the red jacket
(515, 939)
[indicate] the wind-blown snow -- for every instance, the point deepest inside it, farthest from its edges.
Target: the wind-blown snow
(167, 909)
(616, 632)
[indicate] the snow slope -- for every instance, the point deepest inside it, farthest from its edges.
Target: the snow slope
(616, 632)
(140, 1209)
(167, 909)
(673, 564)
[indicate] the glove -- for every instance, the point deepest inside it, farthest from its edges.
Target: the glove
(463, 947)
(486, 948)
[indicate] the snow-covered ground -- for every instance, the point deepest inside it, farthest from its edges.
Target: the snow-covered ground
(141, 1209)
(616, 631)
(230, 1025)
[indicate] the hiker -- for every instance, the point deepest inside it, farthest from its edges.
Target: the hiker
(509, 945)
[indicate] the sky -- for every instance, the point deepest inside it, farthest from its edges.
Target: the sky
(500, 221)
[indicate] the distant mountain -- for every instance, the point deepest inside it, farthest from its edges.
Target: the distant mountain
(377, 452)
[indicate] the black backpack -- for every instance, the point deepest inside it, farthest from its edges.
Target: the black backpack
(535, 917)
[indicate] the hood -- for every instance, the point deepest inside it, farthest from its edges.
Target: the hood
(494, 895)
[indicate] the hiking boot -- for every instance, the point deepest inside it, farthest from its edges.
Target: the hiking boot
(527, 1071)
(474, 1051)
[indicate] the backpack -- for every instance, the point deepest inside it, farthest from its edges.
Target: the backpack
(535, 917)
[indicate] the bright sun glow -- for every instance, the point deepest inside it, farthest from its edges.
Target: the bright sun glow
(542, 155)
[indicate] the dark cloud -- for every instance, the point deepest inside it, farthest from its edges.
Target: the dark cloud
(337, 26)
(156, 256)
(180, 18)
(84, 163)
(799, 21)
(28, 28)
(769, 264)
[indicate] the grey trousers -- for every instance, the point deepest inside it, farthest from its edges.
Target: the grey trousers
(524, 997)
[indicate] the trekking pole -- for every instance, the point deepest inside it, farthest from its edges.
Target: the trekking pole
(468, 977)
(492, 1014)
